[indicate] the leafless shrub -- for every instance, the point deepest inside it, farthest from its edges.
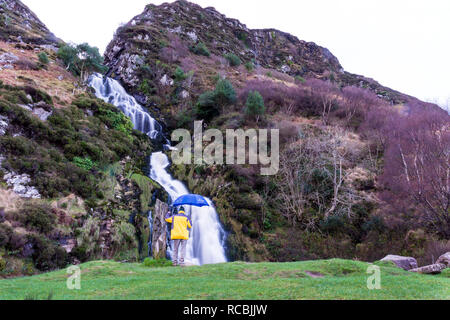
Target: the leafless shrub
(175, 51)
(417, 166)
(326, 93)
(25, 64)
(312, 175)
(434, 250)
(355, 105)
(289, 131)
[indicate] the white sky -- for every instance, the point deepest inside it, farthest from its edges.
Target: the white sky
(403, 44)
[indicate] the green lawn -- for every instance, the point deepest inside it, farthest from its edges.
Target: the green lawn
(342, 279)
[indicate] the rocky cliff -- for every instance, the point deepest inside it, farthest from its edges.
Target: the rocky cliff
(19, 24)
(143, 40)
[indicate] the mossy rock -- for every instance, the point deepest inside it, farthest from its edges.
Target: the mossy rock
(147, 186)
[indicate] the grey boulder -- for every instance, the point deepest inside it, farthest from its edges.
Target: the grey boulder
(444, 259)
(406, 263)
(431, 269)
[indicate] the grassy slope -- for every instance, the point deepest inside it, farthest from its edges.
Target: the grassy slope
(343, 280)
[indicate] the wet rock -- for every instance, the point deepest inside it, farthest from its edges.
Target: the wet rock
(159, 239)
(25, 106)
(4, 123)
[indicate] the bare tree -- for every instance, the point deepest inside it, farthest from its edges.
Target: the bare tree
(313, 175)
(327, 93)
(417, 166)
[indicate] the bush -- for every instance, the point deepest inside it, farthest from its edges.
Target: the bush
(279, 97)
(184, 119)
(146, 88)
(209, 103)
(47, 256)
(157, 263)
(300, 79)
(84, 163)
(207, 108)
(233, 59)
(249, 66)
(255, 105)
(5, 235)
(333, 224)
(123, 238)
(43, 58)
(201, 49)
(179, 75)
(88, 240)
(17, 145)
(38, 217)
(225, 93)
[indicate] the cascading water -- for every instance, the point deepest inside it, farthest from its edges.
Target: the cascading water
(206, 244)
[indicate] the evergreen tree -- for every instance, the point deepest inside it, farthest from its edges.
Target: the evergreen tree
(255, 105)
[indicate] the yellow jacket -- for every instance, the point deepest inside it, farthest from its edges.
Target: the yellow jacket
(180, 225)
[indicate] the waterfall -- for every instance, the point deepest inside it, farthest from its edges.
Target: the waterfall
(206, 243)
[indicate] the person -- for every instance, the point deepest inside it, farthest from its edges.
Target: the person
(179, 234)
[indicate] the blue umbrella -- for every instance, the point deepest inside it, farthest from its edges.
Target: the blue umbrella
(191, 200)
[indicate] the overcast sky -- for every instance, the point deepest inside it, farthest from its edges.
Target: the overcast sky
(403, 44)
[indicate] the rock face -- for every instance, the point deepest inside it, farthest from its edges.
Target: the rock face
(406, 263)
(267, 47)
(4, 123)
(40, 109)
(159, 238)
(19, 24)
(142, 43)
(7, 60)
(20, 185)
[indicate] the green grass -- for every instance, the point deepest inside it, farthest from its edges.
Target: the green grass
(342, 279)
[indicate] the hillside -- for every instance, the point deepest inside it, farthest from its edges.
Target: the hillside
(174, 57)
(161, 32)
(71, 165)
(362, 169)
(317, 280)
(19, 24)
